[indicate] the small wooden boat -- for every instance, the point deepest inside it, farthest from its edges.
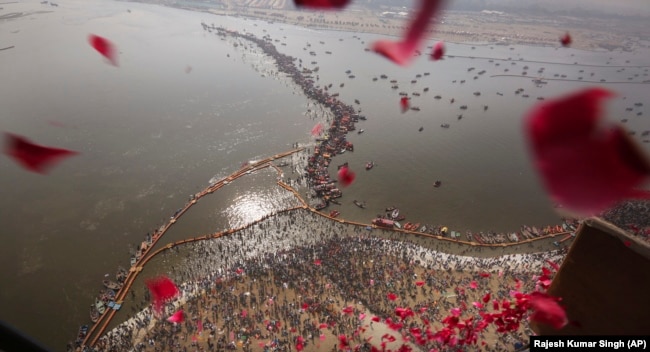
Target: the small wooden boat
(360, 131)
(437, 184)
(99, 306)
(359, 204)
(112, 285)
(94, 314)
(397, 224)
(444, 125)
(334, 213)
(370, 165)
(420, 129)
(121, 274)
(383, 222)
(395, 213)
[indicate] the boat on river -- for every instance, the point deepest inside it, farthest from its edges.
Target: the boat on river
(370, 165)
(383, 222)
(112, 285)
(99, 306)
(437, 184)
(359, 204)
(94, 314)
(394, 214)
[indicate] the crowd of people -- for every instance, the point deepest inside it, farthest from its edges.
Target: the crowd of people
(632, 216)
(299, 277)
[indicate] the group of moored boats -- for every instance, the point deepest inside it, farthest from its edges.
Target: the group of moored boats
(392, 217)
(106, 297)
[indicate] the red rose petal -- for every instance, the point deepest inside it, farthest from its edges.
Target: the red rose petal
(419, 283)
(376, 319)
(322, 4)
(176, 317)
(402, 52)
(566, 39)
(343, 342)
(547, 311)
(346, 177)
(391, 296)
(404, 103)
(34, 157)
(473, 285)
(104, 47)
(162, 290)
(317, 262)
(627, 243)
(438, 51)
(486, 298)
(484, 274)
(553, 265)
(584, 167)
(317, 129)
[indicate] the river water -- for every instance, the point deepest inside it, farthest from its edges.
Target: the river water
(185, 107)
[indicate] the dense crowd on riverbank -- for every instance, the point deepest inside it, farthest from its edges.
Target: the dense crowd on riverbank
(268, 272)
(633, 216)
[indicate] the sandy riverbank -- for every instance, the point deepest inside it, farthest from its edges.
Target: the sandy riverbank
(329, 266)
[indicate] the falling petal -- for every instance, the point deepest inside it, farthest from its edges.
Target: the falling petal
(104, 47)
(484, 274)
(547, 311)
(404, 104)
(391, 296)
(553, 264)
(419, 283)
(343, 342)
(317, 129)
(401, 52)
(566, 39)
(455, 312)
(317, 262)
(176, 317)
(346, 177)
(34, 157)
(323, 326)
(584, 167)
(478, 305)
(322, 4)
(162, 290)
(322, 337)
(627, 243)
(438, 51)
(473, 285)
(376, 319)
(362, 316)
(486, 298)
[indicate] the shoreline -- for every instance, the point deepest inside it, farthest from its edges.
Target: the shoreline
(222, 268)
(461, 27)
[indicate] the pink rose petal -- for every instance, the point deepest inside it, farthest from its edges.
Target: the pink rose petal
(34, 157)
(402, 52)
(438, 51)
(584, 167)
(104, 47)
